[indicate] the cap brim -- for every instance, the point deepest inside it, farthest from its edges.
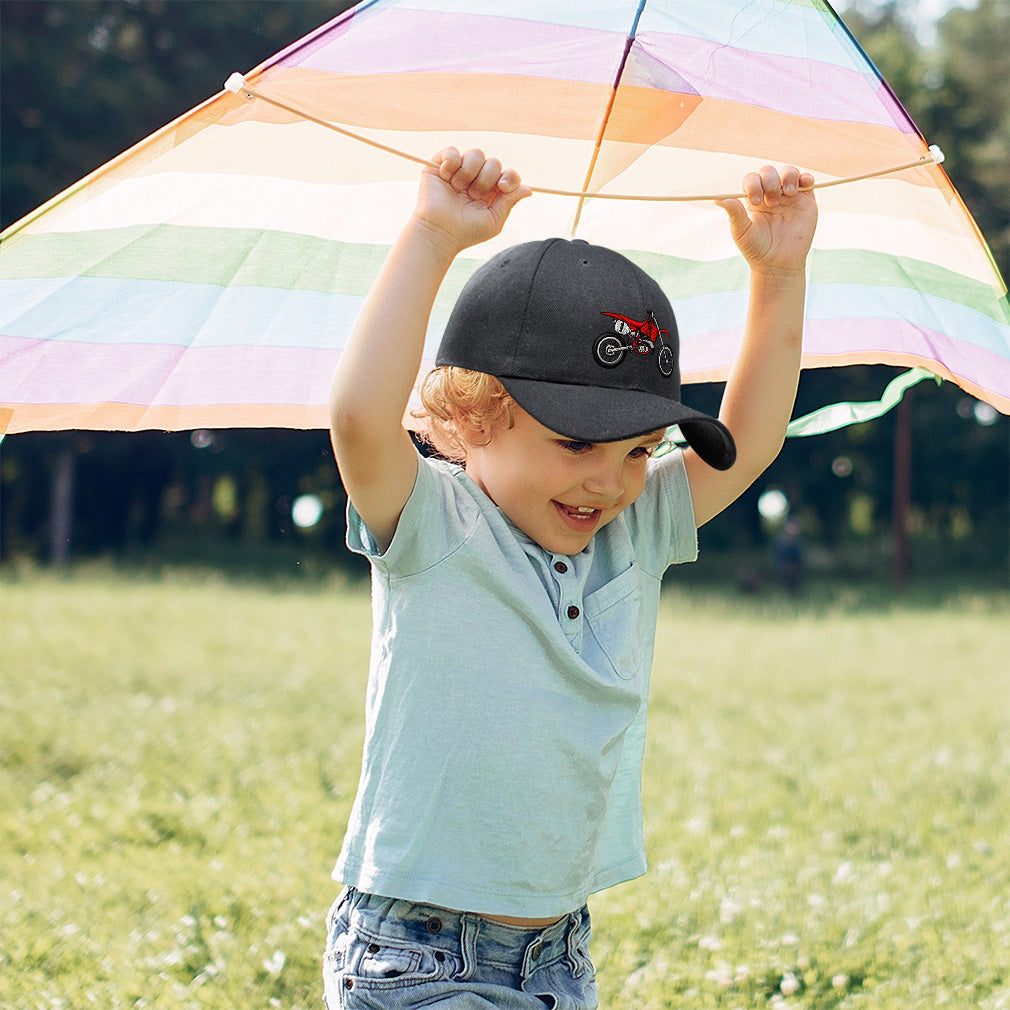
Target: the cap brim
(597, 414)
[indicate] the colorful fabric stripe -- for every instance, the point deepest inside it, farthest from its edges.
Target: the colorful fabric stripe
(210, 276)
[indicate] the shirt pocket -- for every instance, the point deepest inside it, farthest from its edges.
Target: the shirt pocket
(614, 618)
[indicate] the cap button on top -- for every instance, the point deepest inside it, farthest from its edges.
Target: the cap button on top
(560, 566)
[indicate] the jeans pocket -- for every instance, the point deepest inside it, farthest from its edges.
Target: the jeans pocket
(386, 961)
(376, 963)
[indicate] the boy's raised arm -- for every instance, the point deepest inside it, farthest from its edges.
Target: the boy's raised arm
(773, 233)
(464, 202)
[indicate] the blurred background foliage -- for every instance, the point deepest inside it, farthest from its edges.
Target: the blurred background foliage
(83, 80)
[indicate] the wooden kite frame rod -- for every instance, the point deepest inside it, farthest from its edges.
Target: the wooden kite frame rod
(237, 84)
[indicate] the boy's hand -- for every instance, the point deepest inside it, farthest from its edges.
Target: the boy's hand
(467, 199)
(776, 227)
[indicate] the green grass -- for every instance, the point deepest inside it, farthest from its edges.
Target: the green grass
(826, 797)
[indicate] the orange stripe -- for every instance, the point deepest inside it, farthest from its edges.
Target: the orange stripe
(134, 417)
(642, 117)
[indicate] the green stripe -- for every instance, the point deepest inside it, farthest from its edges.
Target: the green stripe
(192, 255)
(687, 278)
(272, 259)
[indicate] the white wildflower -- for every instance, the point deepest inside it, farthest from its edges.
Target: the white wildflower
(274, 964)
(790, 984)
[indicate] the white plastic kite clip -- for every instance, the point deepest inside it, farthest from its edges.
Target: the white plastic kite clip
(938, 155)
(235, 84)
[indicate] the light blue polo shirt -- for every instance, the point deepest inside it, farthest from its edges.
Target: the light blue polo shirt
(505, 714)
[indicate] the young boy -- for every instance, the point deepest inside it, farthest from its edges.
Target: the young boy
(516, 590)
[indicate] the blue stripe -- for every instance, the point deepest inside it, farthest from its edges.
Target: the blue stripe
(762, 26)
(111, 311)
(100, 310)
(726, 310)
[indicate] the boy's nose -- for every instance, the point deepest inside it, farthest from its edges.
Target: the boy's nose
(606, 482)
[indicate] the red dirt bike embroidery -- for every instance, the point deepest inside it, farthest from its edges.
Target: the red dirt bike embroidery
(629, 335)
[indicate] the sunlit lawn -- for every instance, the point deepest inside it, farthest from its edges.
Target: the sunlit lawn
(827, 797)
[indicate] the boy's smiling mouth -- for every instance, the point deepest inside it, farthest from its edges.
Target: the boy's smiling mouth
(578, 516)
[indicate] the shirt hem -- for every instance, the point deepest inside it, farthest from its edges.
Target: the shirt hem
(484, 900)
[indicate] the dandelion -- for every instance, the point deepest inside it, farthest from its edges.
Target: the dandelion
(729, 910)
(720, 975)
(274, 964)
(790, 984)
(840, 981)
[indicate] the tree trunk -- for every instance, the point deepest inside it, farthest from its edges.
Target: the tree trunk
(902, 489)
(61, 506)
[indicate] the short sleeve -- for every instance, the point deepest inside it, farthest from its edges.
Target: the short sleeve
(661, 521)
(437, 517)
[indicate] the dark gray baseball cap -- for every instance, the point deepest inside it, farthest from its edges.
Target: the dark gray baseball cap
(556, 322)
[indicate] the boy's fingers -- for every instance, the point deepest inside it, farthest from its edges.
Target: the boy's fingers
(448, 162)
(771, 182)
(469, 169)
(510, 180)
(753, 188)
(790, 176)
(487, 178)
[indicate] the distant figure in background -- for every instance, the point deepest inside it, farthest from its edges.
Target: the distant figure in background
(787, 555)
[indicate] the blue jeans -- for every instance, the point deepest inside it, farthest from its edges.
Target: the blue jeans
(388, 954)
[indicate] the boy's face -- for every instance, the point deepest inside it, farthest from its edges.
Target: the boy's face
(557, 491)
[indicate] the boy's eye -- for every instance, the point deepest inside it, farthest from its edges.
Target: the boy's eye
(647, 451)
(570, 445)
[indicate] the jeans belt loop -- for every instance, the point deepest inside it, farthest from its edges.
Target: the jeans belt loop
(575, 961)
(468, 946)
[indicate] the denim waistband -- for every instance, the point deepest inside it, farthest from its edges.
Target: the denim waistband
(472, 937)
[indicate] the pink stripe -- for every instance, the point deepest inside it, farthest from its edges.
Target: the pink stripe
(50, 371)
(46, 371)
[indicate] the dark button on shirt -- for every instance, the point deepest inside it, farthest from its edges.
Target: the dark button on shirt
(560, 566)
(573, 612)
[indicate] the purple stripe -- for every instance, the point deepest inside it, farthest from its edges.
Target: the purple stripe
(872, 339)
(405, 41)
(49, 371)
(795, 85)
(45, 371)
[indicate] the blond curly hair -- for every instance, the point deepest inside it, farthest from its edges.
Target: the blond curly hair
(456, 398)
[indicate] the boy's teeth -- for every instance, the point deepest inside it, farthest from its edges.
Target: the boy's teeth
(582, 508)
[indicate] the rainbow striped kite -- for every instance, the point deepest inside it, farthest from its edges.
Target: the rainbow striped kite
(208, 277)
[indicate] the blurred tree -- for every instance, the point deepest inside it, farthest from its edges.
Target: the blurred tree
(956, 92)
(82, 81)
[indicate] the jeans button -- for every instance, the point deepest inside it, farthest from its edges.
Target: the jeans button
(536, 950)
(434, 925)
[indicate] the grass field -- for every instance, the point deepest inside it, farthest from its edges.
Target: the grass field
(826, 796)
